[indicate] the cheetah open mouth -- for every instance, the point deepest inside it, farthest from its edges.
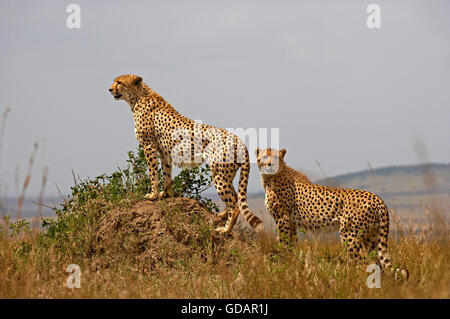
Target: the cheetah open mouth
(118, 96)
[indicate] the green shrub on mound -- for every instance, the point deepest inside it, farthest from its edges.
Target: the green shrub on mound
(118, 198)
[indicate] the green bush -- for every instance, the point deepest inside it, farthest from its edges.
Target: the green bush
(91, 198)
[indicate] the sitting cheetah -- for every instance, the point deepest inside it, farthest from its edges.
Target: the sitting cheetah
(178, 140)
(361, 217)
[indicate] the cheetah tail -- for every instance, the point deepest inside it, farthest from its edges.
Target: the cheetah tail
(254, 221)
(383, 255)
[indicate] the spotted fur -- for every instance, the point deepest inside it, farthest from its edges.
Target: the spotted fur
(178, 140)
(361, 217)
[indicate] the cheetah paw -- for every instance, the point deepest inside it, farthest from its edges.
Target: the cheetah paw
(401, 274)
(222, 230)
(165, 194)
(151, 196)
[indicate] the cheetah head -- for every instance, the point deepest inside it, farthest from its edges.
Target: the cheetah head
(270, 161)
(127, 87)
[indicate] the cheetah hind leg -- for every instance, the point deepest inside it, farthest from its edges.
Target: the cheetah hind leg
(231, 211)
(354, 246)
(225, 189)
(232, 218)
(370, 244)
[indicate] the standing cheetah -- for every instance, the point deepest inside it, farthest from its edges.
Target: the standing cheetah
(178, 140)
(361, 217)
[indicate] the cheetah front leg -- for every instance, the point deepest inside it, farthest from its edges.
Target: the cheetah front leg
(286, 230)
(167, 174)
(151, 155)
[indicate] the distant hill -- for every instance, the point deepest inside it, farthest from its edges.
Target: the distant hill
(30, 208)
(397, 180)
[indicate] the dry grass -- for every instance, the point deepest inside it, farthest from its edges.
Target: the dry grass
(33, 262)
(243, 267)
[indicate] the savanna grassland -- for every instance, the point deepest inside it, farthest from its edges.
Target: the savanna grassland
(130, 248)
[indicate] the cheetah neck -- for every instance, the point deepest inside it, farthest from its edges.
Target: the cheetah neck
(146, 90)
(133, 103)
(267, 178)
(286, 172)
(149, 103)
(143, 92)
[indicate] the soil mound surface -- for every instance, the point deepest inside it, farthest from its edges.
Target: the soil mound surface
(166, 231)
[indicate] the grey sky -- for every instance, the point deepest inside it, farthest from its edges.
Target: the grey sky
(339, 92)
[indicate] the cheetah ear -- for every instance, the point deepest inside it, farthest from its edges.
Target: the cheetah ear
(282, 152)
(257, 151)
(137, 81)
